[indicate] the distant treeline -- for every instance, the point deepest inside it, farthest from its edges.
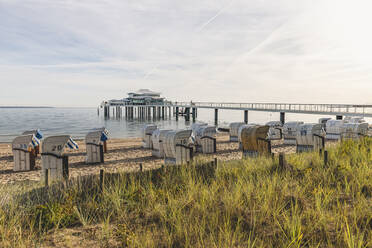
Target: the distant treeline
(18, 107)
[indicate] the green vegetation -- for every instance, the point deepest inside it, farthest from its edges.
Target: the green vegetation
(248, 203)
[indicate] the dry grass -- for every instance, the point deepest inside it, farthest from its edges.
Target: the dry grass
(242, 203)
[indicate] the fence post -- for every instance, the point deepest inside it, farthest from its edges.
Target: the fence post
(281, 160)
(325, 158)
(46, 177)
(101, 178)
(215, 162)
(141, 167)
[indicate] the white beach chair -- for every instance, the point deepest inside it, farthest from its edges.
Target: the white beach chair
(205, 139)
(354, 131)
(54, 161)
(105, 134)
(290, 132)
(94, 147)
(147, 131)
(310, 137)
(234, 131)
(24, 157)
(158, 140)
(177, 149)
(275, 131)
(334, 129)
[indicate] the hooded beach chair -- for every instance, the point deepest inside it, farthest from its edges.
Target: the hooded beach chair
(147, 131)
(177, 147)
(310, 137)
(254, 141)
(158, 137)
(275, 131)
(95, 146)
(205, 139)
(290, 132)
(54, 160)
(334, 129)
(104, 137)
(234, 131)
(23, 148)
(354, 131)
(39, 136)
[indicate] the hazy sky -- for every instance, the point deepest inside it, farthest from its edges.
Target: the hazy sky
(77, 53)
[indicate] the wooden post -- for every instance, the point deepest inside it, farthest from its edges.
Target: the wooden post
(215, 162)
(141, 167)
(282, 117)
(215, 117)
(193, 114)
(325, 158)
(281, 160)
(46, 178)
(101, 178)
(177, 112)
(246, 116)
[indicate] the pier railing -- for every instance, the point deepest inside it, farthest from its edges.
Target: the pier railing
(326, 109)
(300, 108)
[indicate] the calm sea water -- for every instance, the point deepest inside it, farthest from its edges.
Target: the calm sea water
(78, 121)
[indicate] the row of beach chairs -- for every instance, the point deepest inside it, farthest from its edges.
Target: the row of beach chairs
(255, 139)
(54, 160)
(178, 146)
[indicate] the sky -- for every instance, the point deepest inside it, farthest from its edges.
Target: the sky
(77, 53)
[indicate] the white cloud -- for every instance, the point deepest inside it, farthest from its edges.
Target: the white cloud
(224, 50)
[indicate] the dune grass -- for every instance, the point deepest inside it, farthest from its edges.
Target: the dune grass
(245, 203)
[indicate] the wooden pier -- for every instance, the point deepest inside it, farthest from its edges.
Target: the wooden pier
(188, 109)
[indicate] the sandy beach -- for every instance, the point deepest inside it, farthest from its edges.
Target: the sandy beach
(123, 155)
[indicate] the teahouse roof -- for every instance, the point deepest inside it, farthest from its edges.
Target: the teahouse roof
(144, 92)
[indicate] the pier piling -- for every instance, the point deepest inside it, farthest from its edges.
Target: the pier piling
(246, 116)
(282, 117)
(216, 117)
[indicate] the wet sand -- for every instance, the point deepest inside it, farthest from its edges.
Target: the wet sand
(123, 155)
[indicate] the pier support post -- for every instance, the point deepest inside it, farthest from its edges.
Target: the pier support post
(216, 117)
(187, 114)
(177, 112)
(162, 112)
(339, 117)
(193, 114)
(246, 116)
(282, 117)
(170, 112)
